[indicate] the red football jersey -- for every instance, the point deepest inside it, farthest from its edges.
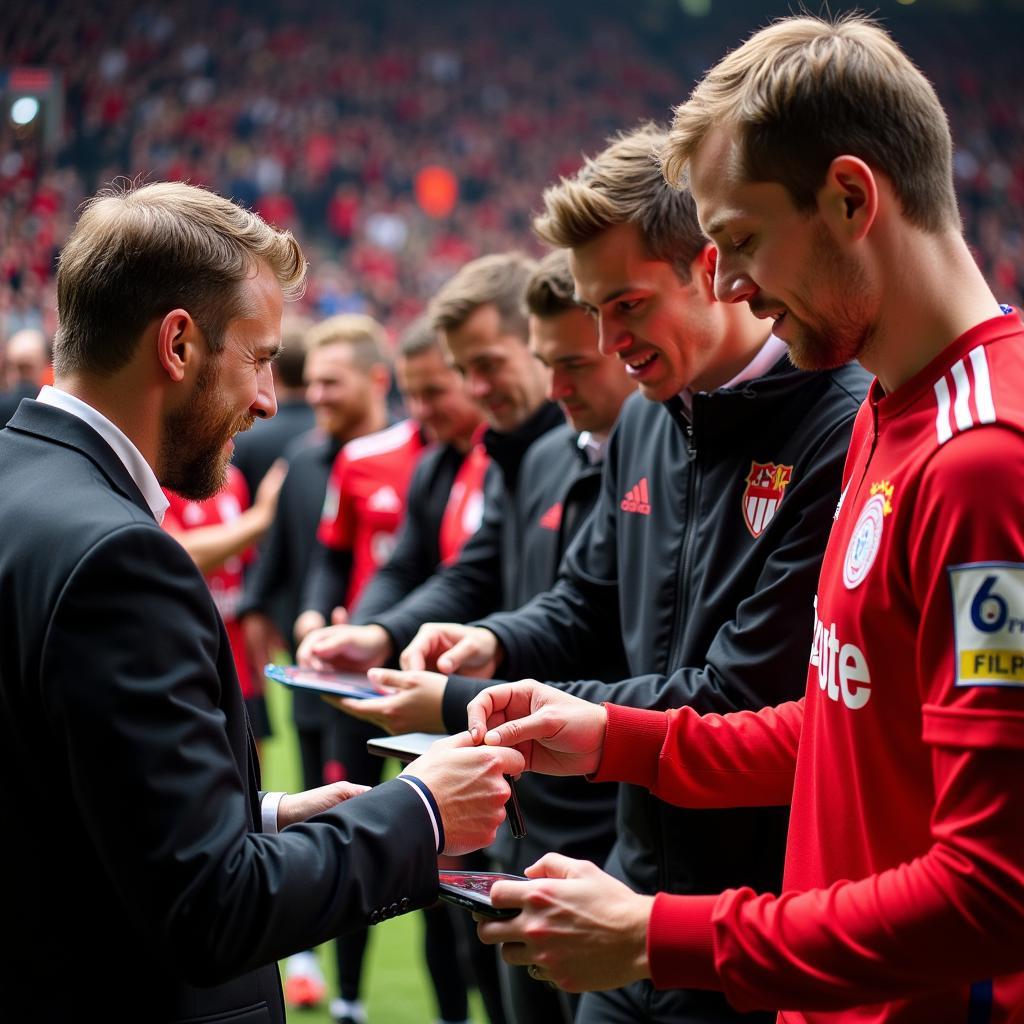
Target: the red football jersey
(226, 583)
(464, 509)
(365, 501)
(904, 883)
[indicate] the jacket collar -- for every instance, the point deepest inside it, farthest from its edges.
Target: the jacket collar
(56, 426)
(508, 448)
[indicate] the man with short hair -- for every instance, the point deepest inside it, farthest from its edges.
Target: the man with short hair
(364, 508)
(481, 318)
(903, 897)
(557, 487)
(703, 550)
(124, 745)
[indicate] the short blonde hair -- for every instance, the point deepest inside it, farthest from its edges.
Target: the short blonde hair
(623, 184)
(498, 280)
(136, 253)
(805, 90)
(361, 333)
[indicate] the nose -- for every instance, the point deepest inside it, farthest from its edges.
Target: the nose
(610, 339)
(265, 405)
(732, 285)
(559, 386)
(477, 385)
(417, 408)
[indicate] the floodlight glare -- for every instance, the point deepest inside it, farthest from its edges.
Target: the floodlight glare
(24, 110)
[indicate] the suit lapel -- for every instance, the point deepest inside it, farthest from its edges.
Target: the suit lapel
(49, 423)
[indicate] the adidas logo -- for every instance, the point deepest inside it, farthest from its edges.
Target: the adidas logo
(552, 519)
(637, 499)
(384, 500)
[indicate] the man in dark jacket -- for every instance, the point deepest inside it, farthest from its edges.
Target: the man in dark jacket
(704, 549)
(552, 496)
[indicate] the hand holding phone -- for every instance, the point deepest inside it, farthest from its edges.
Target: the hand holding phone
(471, 890)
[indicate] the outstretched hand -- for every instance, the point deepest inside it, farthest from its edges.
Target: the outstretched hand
(451, 647)
(409, 701)
(556, 733)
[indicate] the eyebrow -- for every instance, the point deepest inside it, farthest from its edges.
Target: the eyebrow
(610, 297)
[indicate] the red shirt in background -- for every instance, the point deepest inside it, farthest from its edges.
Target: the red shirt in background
(365, 502)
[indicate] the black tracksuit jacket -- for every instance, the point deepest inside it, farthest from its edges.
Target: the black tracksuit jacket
(710, 615)
(513, 556)
(488, 564)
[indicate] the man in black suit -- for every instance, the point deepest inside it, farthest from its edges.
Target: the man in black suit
(137, 839)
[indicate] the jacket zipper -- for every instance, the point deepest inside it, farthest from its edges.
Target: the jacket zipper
(683, 588)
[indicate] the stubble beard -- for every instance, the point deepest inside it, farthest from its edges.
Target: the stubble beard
(844, 330)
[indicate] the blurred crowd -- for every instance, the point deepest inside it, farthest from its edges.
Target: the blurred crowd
(323, 121)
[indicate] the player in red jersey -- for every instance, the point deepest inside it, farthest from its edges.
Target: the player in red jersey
(820, 160)
(220, 534)
(365, 499)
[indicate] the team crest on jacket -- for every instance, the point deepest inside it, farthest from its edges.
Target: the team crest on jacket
(867, 535)
(766, 486)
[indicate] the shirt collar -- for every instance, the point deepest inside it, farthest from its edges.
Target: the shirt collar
(767, 356)
(138, 468)
(592, 446)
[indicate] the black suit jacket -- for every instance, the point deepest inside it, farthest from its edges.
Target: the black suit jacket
(137, 882)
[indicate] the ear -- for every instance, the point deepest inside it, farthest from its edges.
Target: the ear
(702, 271)
(848, 201)
(177, 343)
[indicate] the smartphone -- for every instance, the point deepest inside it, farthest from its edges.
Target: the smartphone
(334, 684)
(405, 747)
(472, 891)
(408, 746)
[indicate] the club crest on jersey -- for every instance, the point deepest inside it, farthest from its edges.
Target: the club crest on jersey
(988, 623)
(867, 535)
(766, 486)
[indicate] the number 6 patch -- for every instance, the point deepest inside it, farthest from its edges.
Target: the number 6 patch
(988, 623)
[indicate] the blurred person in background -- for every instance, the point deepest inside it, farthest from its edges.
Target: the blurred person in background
(434, 494)
(482, 319)
(25, 365)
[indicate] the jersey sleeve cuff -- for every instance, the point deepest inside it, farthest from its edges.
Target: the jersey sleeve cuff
(680, 942)
(633, 740)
